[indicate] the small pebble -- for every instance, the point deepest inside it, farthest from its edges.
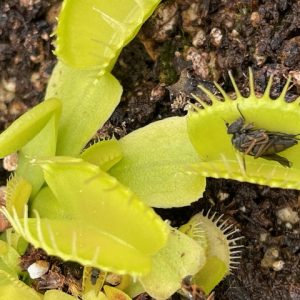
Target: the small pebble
(216, 37)
(9, 84)
(243, 209)
(255, 19)
(287, 215)
(199, 38)
(288, 225)
(38, 269)
(222, 196)
(10, 162)
(270, 257)
(278, 265)
(263, 237)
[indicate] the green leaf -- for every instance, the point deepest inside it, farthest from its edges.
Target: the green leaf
(46, 204)
(91, 33)
(107, 227)
(57, 295)
(156, 164)
(211, 274)
(81, 242)
(15, 241)
(88, 101)
(42, 145)
(12, 289)
(104, 154)
(182, 256)
(9, 259)
(28, 126)
(218, 248)
(135, 289)
(219, 159)
(90, 195)
(113, 293)
(92, 296)
(17, 194)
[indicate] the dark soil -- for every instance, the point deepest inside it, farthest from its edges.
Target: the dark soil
(186, 42)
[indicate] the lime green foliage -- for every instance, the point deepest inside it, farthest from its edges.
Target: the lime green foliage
(17, 194)
(113, 293)
(208, 134)
(135, 289)
(14, 289)
(9, 259)
(14, 240)
(82, 213)
(182, 256)
(35, 133)
(47, 205)
(92, 296)
(211, 274)
(104, 220)
(42, 145)
(214, 238)
(58, 295)
(28, 126)
(156, 164)
(91, 195)
(88, 101)
(104, 154)
(99, 30)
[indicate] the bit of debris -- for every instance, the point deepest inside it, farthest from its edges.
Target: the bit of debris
(10, 162)
(278, 265)
(4, 224)
(38, 269)
(216, 37)
(222, 196)
(287, 215)
(199, 38)
(270, 259)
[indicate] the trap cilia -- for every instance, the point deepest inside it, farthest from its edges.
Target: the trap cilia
(267, 120)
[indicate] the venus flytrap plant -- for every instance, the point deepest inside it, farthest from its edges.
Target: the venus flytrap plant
(182, 256)
(219, 158)
(156, 164)
(101, 220)
(83, 213)
(18, 191)
(13, 288)
(88, 101)
(219, 243)
(33, 133)
(99, 30)
(9, 259)
(104, 154)
(80, 119)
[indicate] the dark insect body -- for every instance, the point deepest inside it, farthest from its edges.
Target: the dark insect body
(260, 142)
(94, 275)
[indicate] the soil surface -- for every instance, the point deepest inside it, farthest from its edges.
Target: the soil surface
(184, 43)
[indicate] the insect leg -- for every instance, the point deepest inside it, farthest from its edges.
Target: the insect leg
(250, 145)
(264, 146)
(253, 141)
(237, 106)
